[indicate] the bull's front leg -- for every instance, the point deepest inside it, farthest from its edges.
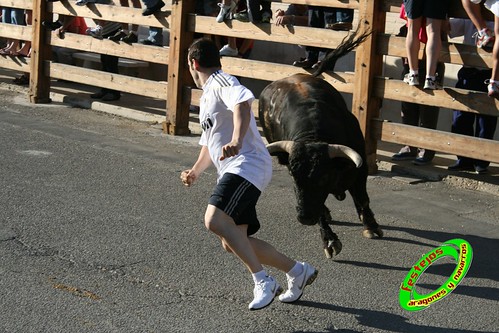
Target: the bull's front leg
(371, 227)
(331, 243)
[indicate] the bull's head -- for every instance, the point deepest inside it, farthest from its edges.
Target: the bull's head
(316, 169)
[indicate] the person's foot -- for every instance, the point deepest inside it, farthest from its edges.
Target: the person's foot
(97, 95)
(304, 63)
(460, 166)
(228, 51)
(266, 17)
(340, 26)
(118, 36)
(241, 16)
(480, 170)
(84, 2)
(95, 32)
(430, 84)
(264, 293)
(484, 39)
(411, 79)
(405, 154)
(422, 161)
(148, 42)
(154, 9)
(225, 11)
(298, 283)
(130, 38)
(492, 89)
(52, 25)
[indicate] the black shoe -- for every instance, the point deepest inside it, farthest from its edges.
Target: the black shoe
(98, 95)
(130, 38)
(153, 9)
(147, 42)
(422, 161)
(480, 170)
(340, 26)
(117, 36)
(52, 25)
(403, 156)
(459, 166)
(304, 63)
(111, 97)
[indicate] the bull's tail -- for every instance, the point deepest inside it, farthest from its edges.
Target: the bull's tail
(348, 43)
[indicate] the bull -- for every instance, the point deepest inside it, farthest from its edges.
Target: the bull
(310, 130)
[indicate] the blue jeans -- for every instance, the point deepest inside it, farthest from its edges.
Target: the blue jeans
(13, 16)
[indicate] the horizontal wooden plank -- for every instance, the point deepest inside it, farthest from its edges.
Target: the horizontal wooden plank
(269, 71)
(451, 52)
(439, 141)
(15, 63)
(451, 98)
(118, 82)
(353, 4)
(269, 32)
(21, 32)
(113, 13)
(24, 4)
(135, 51)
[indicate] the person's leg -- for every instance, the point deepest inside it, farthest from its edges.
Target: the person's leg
(493, 86)
(433, 46)
(485, 128)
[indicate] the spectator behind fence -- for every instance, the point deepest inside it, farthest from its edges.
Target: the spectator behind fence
(467, 123)
(430, 14)
(328, 18)
(12, 16)
(420, 115)
(257, 11)
(473, 8)
(71, 24)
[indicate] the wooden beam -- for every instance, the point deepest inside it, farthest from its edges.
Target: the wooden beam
(353, 4)
(318, 37)
(154, 54)
(368, 64)
(451, 98)
(177, 114)
(118, 82)
(117, 13)
(21, 32)
(39, 87)
(444, 142)
(15, 63)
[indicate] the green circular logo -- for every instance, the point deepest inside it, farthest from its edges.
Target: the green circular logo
(460, 250)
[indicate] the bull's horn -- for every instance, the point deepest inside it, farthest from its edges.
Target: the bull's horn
(280, 146)
(347, 152)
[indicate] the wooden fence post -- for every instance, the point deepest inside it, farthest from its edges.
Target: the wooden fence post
(177, 114)
(368, 64)
(39, 86)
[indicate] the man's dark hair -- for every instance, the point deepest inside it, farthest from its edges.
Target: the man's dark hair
(205, 52)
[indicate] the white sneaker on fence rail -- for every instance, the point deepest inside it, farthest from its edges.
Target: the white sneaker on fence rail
(95, 32)
(430, 84)
(228, 51)
(484, 38)
(411, 79)
(492, 89)
(225, 11)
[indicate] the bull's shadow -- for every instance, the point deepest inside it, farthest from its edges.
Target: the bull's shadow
(485, 261)
(390, 322)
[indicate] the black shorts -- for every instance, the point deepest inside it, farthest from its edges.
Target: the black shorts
(434, 9)
(237, 197)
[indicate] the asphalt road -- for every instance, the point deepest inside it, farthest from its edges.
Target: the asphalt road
(97, 234)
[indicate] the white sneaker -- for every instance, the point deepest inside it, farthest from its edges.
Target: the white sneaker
(430, 84)
(297, 284)
(411, 79)
(264, 293)
(95, 32)
(225, 11)
(228, 51)
(492, 89)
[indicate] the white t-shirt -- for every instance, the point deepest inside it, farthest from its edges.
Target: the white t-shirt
(220, 94)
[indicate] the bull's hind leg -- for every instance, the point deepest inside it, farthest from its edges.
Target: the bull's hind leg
(331, 242)
(366, 215)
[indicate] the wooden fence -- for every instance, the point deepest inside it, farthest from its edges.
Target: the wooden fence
(366, 84)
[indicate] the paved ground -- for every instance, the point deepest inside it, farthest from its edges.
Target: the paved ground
(97, 234)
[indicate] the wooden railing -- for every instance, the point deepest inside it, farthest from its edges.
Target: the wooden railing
(366, 84)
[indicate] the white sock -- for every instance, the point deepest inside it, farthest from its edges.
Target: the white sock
(430, 77)
(259, 276)
(482, 32)
(414, 72)
(296, 270)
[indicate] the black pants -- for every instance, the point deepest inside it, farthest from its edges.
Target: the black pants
(110, 65)
(467, 123)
